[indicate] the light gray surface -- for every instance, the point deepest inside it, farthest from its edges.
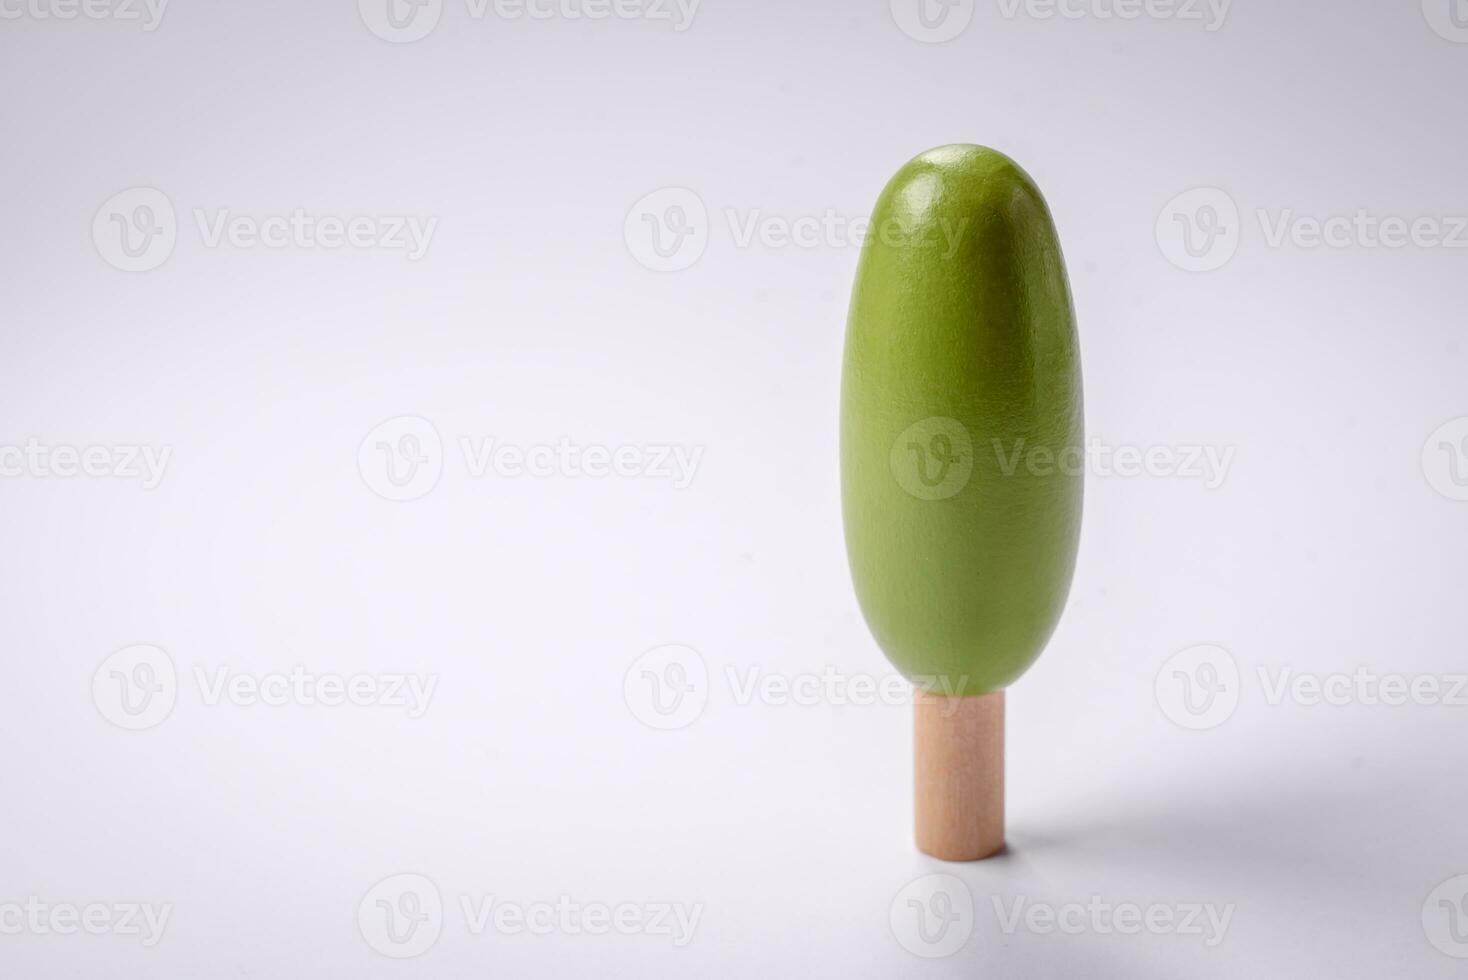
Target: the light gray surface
(1332, 542)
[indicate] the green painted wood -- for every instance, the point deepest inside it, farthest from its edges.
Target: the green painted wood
(961, 428)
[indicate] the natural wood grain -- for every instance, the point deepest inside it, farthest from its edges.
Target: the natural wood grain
(959, 775)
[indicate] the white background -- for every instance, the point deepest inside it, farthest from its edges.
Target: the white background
(531, 319)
